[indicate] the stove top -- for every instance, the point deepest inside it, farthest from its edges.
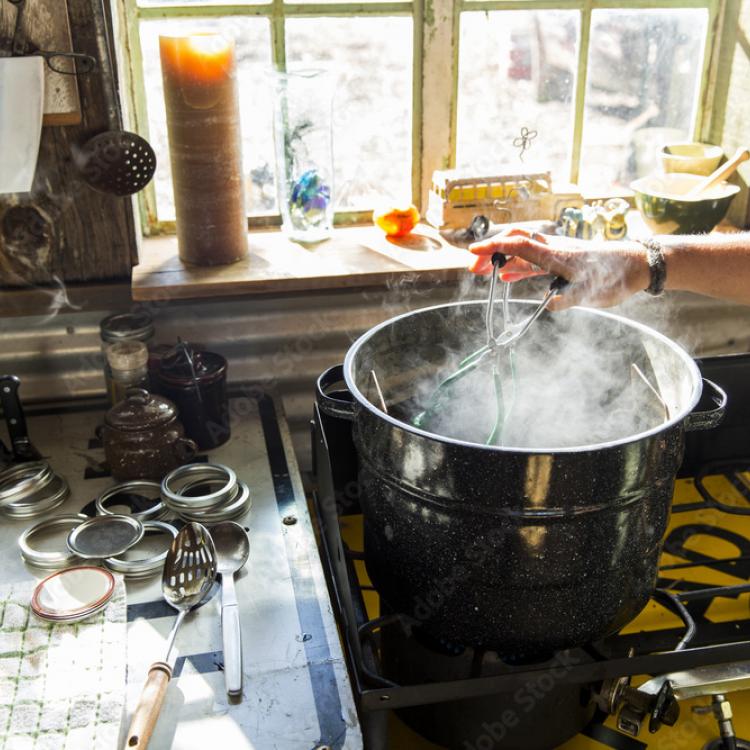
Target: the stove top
(296, 689)
(697, 624)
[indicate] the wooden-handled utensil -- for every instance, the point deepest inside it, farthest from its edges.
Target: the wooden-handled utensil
(189, 573)
(724, 171)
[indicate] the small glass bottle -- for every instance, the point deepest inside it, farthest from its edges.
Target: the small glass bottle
(127, 368)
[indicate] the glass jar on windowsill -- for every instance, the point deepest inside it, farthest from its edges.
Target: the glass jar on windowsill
(304, 152)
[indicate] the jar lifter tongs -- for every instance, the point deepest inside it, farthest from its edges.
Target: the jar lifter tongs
(511, 333)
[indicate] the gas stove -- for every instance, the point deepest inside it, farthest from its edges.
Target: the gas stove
(673, 677)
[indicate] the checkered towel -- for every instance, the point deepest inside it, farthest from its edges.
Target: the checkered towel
(62, 686)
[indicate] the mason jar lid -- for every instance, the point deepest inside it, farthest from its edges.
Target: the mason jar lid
(140, 410)
(105, 536)
(185, 367)
(138, 326)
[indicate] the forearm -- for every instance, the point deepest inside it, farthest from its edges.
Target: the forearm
(715, 265)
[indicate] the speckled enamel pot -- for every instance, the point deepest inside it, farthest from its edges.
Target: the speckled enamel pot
(143, 439)
(513, 549)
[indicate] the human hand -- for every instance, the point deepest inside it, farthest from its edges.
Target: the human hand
(601, 273)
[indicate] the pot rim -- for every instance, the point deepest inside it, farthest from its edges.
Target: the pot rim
(364, 402)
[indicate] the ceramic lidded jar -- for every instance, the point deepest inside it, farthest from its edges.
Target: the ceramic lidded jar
(143, 439)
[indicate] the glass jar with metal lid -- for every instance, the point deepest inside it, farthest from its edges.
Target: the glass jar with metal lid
(122, 327)
(129, 326)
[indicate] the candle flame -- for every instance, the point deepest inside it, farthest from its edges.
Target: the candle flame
(208, 44)
(199, 64)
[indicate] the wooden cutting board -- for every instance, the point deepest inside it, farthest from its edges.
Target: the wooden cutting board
(46, 26)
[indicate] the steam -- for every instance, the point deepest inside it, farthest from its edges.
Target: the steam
(59, 300)
(577, 378)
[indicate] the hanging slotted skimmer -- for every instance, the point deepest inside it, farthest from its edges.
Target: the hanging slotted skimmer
(500, 346)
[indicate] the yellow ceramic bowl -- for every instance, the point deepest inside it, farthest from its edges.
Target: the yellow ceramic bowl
(694, 158)
(665, 209)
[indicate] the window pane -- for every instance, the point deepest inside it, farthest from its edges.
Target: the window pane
(372, 106)
(368, 2)
(516, 70)
(253, 49)
(152, 3)
(642, 88)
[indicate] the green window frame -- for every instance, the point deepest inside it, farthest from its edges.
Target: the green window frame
(436, 26)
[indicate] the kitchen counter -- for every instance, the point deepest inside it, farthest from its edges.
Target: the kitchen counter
(296, 688)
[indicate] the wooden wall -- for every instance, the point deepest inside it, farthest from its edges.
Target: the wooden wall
(63, 229)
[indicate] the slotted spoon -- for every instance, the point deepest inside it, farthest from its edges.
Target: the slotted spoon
(189, 572)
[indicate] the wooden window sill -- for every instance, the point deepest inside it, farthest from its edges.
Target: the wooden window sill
(353, 257)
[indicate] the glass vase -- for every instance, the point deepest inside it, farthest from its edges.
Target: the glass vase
(304, 152)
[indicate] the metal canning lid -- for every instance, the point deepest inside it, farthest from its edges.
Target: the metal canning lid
(208, 513)
(147, 565)
(43, 501)
(171, 490)
(138, 326)
(72, 594)
(48, 559)
(105, 536)
(237, 507)
(136, 487)
(46, 490)
(19, 482)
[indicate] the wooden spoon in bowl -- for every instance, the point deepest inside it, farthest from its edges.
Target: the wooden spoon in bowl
(721, 173)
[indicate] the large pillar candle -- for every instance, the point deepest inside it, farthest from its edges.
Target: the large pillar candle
(203, 124)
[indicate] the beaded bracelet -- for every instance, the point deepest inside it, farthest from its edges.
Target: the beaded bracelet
(657, 266)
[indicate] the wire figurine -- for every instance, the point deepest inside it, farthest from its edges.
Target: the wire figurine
(524, 140)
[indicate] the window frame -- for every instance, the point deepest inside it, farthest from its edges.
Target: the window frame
(436, 27)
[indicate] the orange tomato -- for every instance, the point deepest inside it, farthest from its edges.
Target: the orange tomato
(396, 221)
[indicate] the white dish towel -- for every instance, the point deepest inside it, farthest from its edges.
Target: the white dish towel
(21, 112)
(62, 686)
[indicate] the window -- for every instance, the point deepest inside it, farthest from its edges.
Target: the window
(427, 84)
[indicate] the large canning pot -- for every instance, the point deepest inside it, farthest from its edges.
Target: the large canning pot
(551, 539)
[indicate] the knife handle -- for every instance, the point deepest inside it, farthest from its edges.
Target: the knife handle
(149, 705)
(12, 408)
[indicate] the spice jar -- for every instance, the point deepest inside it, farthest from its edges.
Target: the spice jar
(128, 367)
(143, 439)
(196, 381)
